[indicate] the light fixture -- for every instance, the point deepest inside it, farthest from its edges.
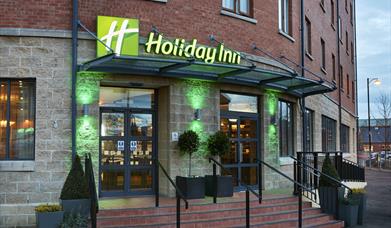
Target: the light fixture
(377, 82)
(197, 114)
(85, 109)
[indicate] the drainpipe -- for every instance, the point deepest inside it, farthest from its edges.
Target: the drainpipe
(340, 75)
(304, 117)
(74, 73)
(355, 75)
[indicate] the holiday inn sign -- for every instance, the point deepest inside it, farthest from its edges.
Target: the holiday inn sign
(122, 36)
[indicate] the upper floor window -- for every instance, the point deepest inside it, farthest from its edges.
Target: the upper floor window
(346, 6)
(347, 41)
(333, 65)
(284, 16)
(285, 114)
(351, 13)
(352, 52)
(341, 76)
(340, 29)
(353, 92)
(308, 36)
(332, 13)
(348, 84)
(241, 7)
(17, 119)
(323, 46)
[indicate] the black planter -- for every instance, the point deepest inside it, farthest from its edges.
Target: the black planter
(328, 199)
(348, 213)
(191, 187)
(224, 186)
(77, 206)
(49, 219)
(362, 198)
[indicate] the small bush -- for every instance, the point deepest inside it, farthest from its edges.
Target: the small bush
(74, 221)
(329, 169)
(218, 144)
(358, 191)
(48, 208)
(76, 185)
(188, 142)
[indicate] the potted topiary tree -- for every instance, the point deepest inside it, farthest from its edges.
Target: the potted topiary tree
(361, 196)
(75, 193)
(348, 210)
(48, 215)
(329, 190)
(218, 145)
(192, 187)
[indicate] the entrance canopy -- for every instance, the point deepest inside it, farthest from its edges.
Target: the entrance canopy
(283, 81)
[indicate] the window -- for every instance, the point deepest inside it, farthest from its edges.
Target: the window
(308, 35)
(346, 6)
(344, 138)
(322, 2)
(340, 28)
(347, 84)
(351, 13)
(17, 119)
(341, 76)
(309, 139)
(286, 128)
(329, 134)
(241, 7)
(323, 46)
(284, 9)
(347, 42)
(238, 103)
(352, 52)
(333, 65)
(353, 92)
(332, 13)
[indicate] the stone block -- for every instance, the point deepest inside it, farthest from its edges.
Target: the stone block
(31, 62)
(31, 41)
(9, 62)
(7, 41)
(41, 197)
(16, 220)
(40, 176)
(20, 72)
(20, 51)
(17, 177)
(16, 198)
(53, 186)
(24, 187)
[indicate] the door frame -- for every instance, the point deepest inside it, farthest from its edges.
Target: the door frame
(127, 191)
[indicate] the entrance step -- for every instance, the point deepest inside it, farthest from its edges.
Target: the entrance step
(281, 211)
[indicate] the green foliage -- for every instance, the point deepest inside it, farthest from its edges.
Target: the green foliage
(74, 221)
(188, 142)
(76, 185)
(48, 208)
(218, 144)
(358, 191)
(329, 169)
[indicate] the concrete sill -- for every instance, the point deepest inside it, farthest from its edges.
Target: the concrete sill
(322, 6)
(17, 166)
(323, 70)
(162, 1)
(286, 35)
(286, 161)
(309, 56)
(234, 15)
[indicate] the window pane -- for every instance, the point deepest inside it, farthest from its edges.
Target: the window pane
(249, 151)
(141, 179)
(112, 124)
(22, 115)
(110, 153)
(248, 128)
(140, 98)
(249, 175)
(233, 172)
(3, 118)
(112, 180)
(229, 4)
(141, 152)
(141, 125)
(229, 127)
(286, 128)
(113, 97)
(231, 157)
(244, 6)
(238, 103)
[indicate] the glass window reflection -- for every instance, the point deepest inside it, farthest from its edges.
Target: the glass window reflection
(141, 125)
(141, 154)
(112, 180)
(110, 153)
(112, 124)
(238, 103)
(126, 97)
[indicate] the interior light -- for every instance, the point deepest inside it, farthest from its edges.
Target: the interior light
(377, 82)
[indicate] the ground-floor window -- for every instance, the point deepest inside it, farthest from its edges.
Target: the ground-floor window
(17, 119)
(309, 138)
(285, 114)
(344, 138)
(329, 134)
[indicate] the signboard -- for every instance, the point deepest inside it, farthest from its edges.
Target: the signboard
(121, 145)
(122, 36)
(133, 145)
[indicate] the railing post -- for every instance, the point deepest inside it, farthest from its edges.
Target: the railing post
(157, 183)
(316, 168)
(295, 191)
(260, 182)
(178, 211)
(300, 207)
(247, 208)
(214, 183)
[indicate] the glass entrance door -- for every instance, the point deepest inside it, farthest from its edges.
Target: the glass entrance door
(127, 147)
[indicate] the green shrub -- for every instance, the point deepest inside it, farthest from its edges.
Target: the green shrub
(188, 143)
(329, 169)
(218, 144)
(48, 208)
(76, 185)
(74, 221)
(358, 191)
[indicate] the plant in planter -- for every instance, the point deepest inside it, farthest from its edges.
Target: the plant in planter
(192, 187)
(49, 215)
(218, 145)
(329, 191)
(348, 210)
(75, 193)
(361, 196)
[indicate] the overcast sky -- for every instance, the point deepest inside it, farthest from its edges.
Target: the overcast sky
(373, 51)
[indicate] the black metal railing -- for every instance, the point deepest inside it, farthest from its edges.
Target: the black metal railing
(248, 188)
(352, 171)
(178, 194)
(298, 183)
(89, 172)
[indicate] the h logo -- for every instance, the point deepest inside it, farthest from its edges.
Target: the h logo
(120, 34)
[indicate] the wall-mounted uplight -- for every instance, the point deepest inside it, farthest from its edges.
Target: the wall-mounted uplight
(197, 114)
(85, 109)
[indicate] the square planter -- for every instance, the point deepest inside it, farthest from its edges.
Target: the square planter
(223, 186)
(328, 199)
(78, 206)
(348, 213)
(362, 198)
(191, 187)
(49, 219)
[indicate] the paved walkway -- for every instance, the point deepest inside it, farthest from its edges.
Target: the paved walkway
(379, 199)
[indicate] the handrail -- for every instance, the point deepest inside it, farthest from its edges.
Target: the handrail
(319, 173)
(89, 172)
(178, 191)
(350, 162)
(320, 152)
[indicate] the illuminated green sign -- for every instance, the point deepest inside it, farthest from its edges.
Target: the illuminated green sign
(122, 36)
